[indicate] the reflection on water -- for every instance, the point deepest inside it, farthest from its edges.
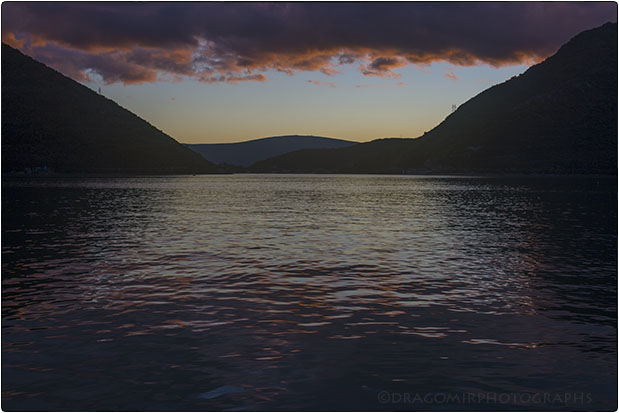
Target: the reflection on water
(297, 292)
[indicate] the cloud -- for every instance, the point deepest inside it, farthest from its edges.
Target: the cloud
(422, 68)
(208, 77)
(232, 42)
(382, 67)
(450, 75)
(112, 66)
(318, 83)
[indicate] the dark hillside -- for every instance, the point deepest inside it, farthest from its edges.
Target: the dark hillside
(249, 152)
(378, 156)
(560, 116)
(50, 121)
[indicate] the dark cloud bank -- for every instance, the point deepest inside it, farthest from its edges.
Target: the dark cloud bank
(233, 42)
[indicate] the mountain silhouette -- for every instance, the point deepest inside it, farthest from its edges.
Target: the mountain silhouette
(559, 116)
(50, 122)
(249, 152)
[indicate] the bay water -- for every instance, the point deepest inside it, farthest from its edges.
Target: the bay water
(309, 292)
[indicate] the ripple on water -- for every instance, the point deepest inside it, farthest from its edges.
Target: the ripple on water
(304, 292)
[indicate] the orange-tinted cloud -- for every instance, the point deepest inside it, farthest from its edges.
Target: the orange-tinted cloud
(233, 42)
(10, 39)
(230, 78)
(383, 67)
(319, 83)
(450, 75)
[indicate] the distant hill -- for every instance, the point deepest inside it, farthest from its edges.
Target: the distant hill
(560, 116)
(249, 152)
(52, 122)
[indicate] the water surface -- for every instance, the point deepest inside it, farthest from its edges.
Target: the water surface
(300, 292)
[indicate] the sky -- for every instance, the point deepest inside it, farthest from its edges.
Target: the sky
(233, 71)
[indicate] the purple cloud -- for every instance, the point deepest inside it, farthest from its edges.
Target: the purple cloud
(231, 42)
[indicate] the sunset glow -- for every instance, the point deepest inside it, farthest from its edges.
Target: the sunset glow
(224, 72)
